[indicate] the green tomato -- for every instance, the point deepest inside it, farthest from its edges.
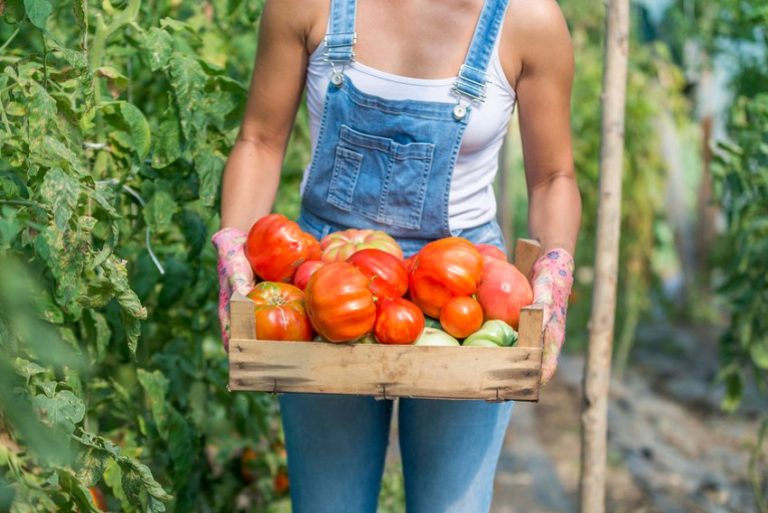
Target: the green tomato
(435, 337)
(431, 322)
(496, 332)
(479, 342)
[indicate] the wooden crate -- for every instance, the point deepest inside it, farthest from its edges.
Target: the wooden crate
(389, 371)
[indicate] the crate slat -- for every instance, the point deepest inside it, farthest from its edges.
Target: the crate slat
(386, 371)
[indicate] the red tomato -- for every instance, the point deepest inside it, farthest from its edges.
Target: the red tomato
(503, 292)
(339, 303)
(461, 316)
(442, 270)
(276, 246)
(339, 246)
(281, 483)
(408, 262)
(305, 272)
(491, 251)
(98, 498)
(387, 274)
(280, 313)
(398, 321)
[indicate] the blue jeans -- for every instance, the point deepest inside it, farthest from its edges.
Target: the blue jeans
(336, 447)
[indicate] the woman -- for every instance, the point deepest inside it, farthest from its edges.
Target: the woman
(398, 147)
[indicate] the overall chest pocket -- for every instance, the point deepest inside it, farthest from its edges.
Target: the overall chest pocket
(381, 179)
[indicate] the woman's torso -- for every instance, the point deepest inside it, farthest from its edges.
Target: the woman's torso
(413, 50)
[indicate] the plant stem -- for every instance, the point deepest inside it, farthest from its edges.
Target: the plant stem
(8, 41)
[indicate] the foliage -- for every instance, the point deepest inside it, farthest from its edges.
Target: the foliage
(115, 122)
(651, 76)
(741, 177)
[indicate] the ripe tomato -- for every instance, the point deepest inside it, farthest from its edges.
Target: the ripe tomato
(461, 316)
(305, 272)
(339, 304)
(98, 498)
(281, 483)
(276, 246)
(387, 274)
(339, 246)
(442, 270)
(280, 313)
(408, 262)
(398, 321)
(503, 292)
(491, 251)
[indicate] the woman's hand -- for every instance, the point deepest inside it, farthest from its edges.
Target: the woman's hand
(552, 282)
(235, 274)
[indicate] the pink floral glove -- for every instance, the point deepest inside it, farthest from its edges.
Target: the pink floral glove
(552, 282)
(235, 273)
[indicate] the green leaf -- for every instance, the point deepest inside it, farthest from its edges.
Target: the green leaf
(27, 368)
(188, 83)
(209, 168)
(155, 387)
(195, 232)
(64, 410)
(758, 350)
(80, 9)
(177, 277)
(61, 191)
(160, 210)
(38, 11)
(734, 392)
(167, 147)
(138, 128)
(159, 45)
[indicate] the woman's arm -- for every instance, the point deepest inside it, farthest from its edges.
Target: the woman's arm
(541, 41)
(252, 172)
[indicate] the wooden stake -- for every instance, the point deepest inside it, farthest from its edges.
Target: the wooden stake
(598, 370)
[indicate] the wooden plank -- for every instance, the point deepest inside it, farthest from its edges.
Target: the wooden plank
(531, 324)
(526, 253)
(508, 373)
(242, 322)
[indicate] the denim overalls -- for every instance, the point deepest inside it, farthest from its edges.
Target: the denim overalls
(387, 165)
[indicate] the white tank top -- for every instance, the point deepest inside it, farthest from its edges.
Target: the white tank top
(472, 201)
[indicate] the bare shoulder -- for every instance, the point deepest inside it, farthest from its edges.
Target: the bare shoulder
(300, 17)
(535, 34)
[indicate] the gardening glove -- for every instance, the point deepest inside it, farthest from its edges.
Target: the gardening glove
(235, 273)
(552, 282)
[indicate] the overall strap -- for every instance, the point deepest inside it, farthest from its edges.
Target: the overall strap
(340, 38)
(472, 78)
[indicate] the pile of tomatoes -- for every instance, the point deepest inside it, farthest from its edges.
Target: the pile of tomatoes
(355, 285)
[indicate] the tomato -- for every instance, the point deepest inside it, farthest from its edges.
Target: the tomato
(339, 303)
(461, 316)
(339, 246)
(280, 313)
(98, 498)
(248, 461)
(408, 262)
(281, 483)
(442, 270)
(503, 292)
(305, 272)
(491, 251)
(276, 247)
(435, 337)
(387, 274)
(398, 321)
